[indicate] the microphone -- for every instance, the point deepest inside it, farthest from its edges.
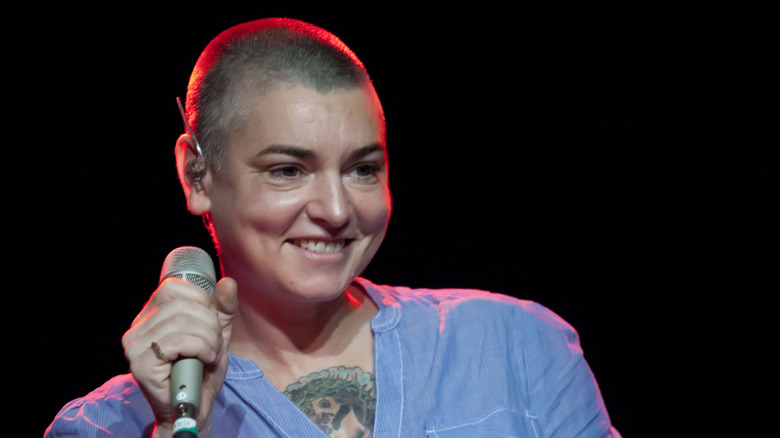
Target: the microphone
(194, 266)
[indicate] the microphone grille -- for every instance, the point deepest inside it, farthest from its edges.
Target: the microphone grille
(190, 264)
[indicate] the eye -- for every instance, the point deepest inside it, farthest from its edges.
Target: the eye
(364, 173)
(287, 171)
(365, 170)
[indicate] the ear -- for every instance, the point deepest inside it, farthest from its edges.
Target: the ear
(198, 200)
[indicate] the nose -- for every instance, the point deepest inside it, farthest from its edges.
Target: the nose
(329, 203)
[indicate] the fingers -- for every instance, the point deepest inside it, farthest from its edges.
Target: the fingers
(171, 289)
(181, 335)
(182, 319)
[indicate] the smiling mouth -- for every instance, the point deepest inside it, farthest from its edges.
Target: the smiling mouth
(313, 245)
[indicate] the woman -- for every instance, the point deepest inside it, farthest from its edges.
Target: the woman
(287, 163)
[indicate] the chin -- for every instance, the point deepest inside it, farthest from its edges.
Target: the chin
(321, 288)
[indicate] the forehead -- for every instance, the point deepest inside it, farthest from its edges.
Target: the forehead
(300, 114)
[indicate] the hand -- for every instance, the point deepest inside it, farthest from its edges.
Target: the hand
(184, 321)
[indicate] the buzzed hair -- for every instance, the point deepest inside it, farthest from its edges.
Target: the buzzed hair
(256, 57)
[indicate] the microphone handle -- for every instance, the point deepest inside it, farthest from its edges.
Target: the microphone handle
(186, 378)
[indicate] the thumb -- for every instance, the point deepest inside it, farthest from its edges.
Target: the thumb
(226, 298)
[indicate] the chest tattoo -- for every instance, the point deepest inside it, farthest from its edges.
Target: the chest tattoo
(340, 400)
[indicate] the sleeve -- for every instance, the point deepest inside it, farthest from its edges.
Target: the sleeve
(115, 409)
(563, 396)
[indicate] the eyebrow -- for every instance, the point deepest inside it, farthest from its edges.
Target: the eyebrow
(366, 151)
(303, 153)
(293, 151)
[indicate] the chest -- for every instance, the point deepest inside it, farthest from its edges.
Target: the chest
(413, 393)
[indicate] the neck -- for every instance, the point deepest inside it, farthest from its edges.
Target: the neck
(285, 332)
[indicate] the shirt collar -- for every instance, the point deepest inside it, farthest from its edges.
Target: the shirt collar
(389, 313)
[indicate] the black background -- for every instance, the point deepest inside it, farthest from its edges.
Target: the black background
(615, 163)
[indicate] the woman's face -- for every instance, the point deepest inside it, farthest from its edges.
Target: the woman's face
(302, 201)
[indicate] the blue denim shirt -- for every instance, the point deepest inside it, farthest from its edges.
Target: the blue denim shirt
(448, 363)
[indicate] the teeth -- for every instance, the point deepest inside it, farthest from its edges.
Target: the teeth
(320, 246)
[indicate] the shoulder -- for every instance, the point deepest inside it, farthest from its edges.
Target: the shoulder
(117, 406)
(481, 307)
(408, 297)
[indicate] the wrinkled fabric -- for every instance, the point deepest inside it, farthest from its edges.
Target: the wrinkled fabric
(448, 363)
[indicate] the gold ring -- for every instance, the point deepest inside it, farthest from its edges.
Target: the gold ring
(158, 351)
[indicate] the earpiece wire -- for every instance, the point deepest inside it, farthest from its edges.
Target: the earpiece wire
(192, 133)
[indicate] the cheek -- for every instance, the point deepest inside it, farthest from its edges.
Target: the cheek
(374, 212)
(252, 211)
(271, 211)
